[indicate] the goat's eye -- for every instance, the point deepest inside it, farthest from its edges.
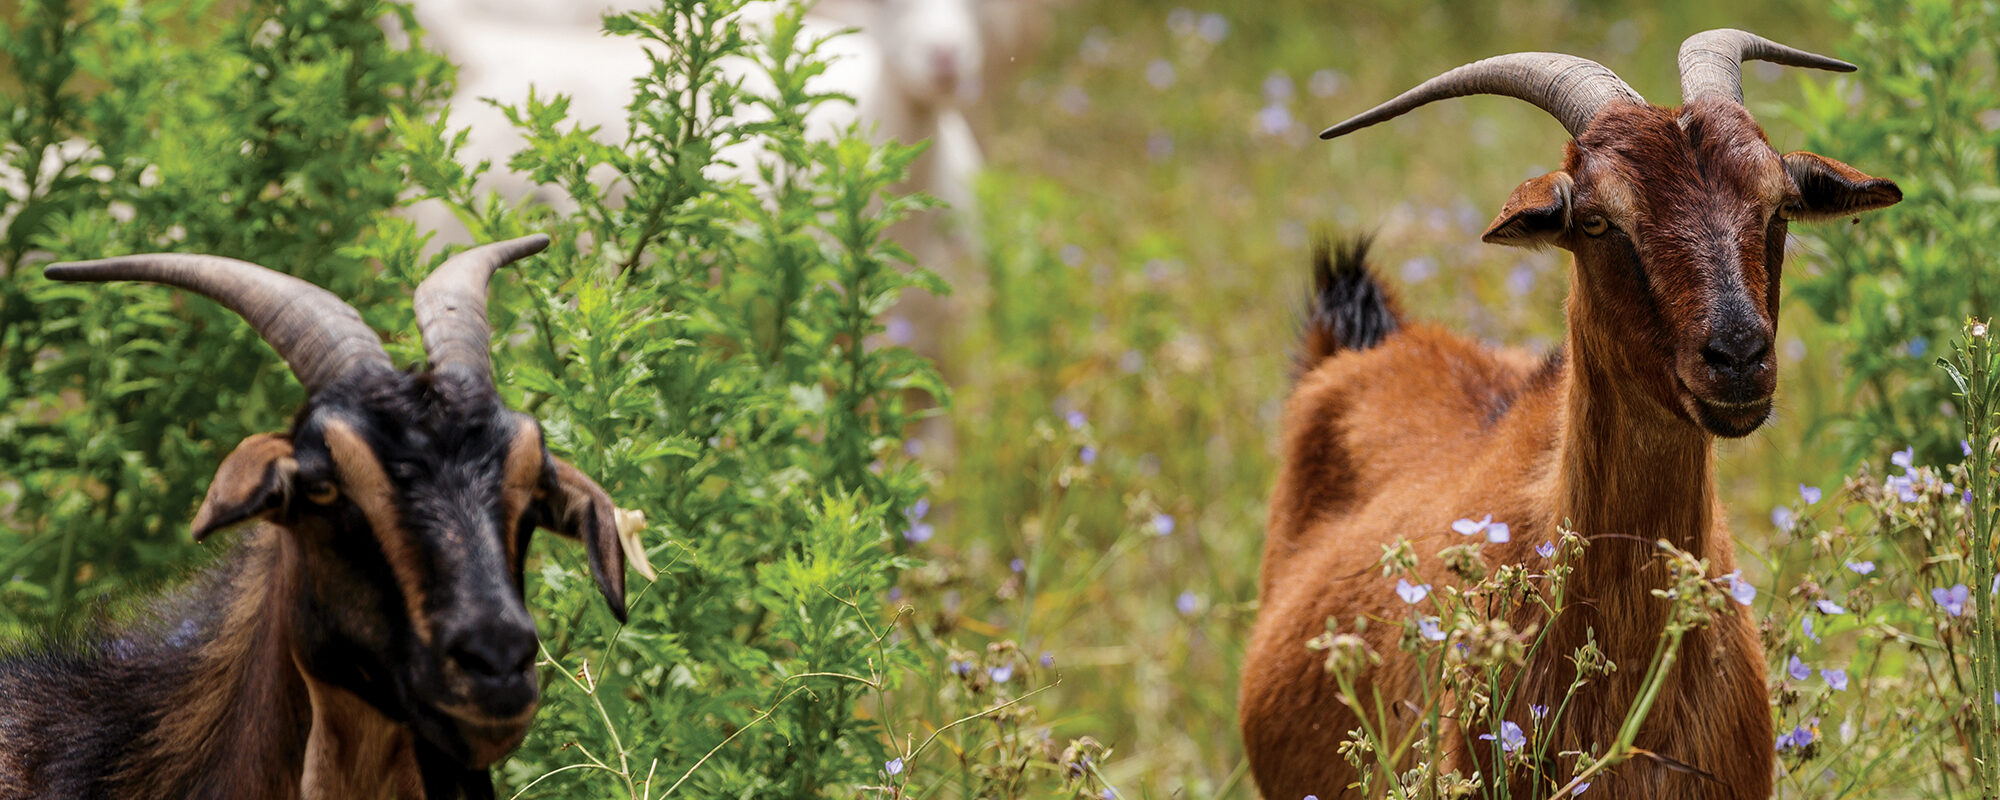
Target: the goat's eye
(322, 492)
(1595, 225)
(1790, 209)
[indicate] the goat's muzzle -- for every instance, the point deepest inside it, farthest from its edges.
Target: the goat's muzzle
(1729, 380)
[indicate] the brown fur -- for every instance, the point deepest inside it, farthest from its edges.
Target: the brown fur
(1616, 437)
(236, 717)
(367, 485)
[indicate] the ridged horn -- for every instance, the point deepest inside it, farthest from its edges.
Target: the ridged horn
(451, 306)
(1712, 62)
(1571, 89)
(319, 335)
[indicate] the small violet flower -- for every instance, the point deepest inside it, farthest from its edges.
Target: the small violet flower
(1496, 532)
(1797, 669)
(1537, 711)
(1739, 588)
(1107, 794)
(1579, 788)
(1002, 673)
(1163, 524)
(1412, 593)
(1048, 659)
(1810, 494)
(1511, 738)
(1546, 549)
(1088, 455)
(1187, 603)
(1782, 518)
(1861, 567)
(1830, 608)
(1427, 627)
(893, 767)
(1076, 420)
(1904, 458)
(1836, 678)
(1953, 599)
(1807, 624)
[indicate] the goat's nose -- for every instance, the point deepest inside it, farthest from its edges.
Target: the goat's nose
(1736, 351)
(491, 649)
(944, 65)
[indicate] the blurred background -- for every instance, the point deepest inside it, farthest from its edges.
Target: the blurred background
(1129, 261)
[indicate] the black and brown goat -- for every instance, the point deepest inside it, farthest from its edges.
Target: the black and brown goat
(1677, 220)
(369, 638)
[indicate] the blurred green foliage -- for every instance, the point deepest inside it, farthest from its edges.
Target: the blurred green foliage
(1899, 283)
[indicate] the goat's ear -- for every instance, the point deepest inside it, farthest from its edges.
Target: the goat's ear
(580, 509)
(1829, 189)
(253, 481)
(1536, 214)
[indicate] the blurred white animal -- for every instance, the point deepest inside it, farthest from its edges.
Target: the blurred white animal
(913, 70)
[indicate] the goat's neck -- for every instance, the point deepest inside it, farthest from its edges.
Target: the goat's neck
(1631, 472)
(236, 724)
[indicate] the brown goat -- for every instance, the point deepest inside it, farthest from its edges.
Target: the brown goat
(1677, 219)
(368, 639)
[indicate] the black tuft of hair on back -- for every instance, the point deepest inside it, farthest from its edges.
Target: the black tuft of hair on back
(1349, 308)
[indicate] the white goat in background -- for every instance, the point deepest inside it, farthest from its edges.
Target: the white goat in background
(913, 70)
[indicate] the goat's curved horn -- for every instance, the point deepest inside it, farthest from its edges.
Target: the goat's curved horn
(1570, 88)
(320, 336)
(1712, 62)
(451, 305)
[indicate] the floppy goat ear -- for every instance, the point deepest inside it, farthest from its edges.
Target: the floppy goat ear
(1829, 189)
(1536, 214)
(578, 508)
(253, 481)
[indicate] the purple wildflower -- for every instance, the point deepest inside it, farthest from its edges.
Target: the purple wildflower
(1188, 603)
(1782, 518)
(1468, 527)
(1579, 788)
(1537, 711)
(893, 767)
(1511, 738)
(1830, 608)
(1739, 588)
(1797, 669)
(1497, 533)
(961, 668)
(1965, 447)
(1427, 627)
(1001, 673)
(1806, 623)
(1904, 458)
(1048, 659)
(1836, 678)
(1088, 455)
(1412, 593)
(919, 533)
(1861, 567)
(1017, 566)
(1076, 420)
(1810, 494)
(1163, 524)
(1546, 549)
(1952, 599)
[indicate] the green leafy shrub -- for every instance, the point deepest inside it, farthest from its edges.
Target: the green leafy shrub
(1899, 283)
(246, 129)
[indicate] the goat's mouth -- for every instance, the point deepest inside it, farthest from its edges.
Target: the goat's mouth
(1732, 410)
(474, 737)
(1730, 420)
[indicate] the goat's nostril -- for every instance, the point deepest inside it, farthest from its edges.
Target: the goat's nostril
(491, 651)
(1736, 352)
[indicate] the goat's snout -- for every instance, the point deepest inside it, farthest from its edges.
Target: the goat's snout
(1736, 353)
(491, 650)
